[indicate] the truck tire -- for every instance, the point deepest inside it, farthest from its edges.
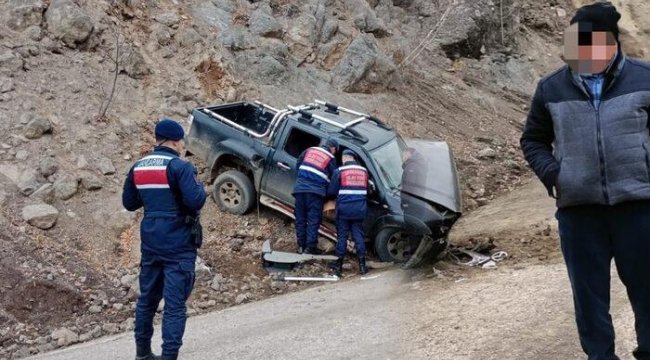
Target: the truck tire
(392, 246)
(234, 192)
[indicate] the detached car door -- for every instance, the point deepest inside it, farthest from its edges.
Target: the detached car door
(282, 171)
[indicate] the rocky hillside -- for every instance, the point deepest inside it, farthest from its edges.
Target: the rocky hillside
(82, 81)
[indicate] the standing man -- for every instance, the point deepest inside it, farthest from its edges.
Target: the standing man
(315, 168)
(587, 139)
(350, 186)
(172, 196)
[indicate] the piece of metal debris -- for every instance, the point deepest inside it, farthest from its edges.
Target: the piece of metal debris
(285, 261)
(460, 256)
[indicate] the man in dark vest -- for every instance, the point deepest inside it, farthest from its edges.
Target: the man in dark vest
(315, 168)
(350, 186)
(168, 189)
(587, 139)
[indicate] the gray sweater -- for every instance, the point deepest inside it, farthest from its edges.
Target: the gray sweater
(592, 155)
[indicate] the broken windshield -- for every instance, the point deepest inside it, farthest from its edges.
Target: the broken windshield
(388, 159)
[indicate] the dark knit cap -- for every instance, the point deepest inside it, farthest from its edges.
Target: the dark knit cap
(332, 143)
(348, 152)
(169, 130)
(600, 16)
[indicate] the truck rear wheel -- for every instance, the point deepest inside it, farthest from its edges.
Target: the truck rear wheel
(234, 192)
(392, 245)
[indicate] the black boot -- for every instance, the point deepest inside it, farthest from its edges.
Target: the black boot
(363, 269)
(314, 251)
(169, 357)
(150, 356)
(337, 266)
(143, 352)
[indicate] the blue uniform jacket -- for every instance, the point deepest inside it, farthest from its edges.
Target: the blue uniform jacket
(315, 168)
(350, 186)
(168, 189)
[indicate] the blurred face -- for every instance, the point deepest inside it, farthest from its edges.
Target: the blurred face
(332, 150)
(347, 158)
(588, 52)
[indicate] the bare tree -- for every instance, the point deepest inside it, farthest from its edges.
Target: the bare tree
(116, 60)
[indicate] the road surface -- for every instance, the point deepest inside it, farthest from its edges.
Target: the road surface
(507, 313)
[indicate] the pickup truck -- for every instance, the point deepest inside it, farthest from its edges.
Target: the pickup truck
(252, 149)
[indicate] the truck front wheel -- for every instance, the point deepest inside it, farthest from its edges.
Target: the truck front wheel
(393, 245)
(234, 192)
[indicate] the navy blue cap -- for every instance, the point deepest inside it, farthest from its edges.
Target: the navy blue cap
(169, 129)
(349, 152)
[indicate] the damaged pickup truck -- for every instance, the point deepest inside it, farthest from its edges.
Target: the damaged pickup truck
(252, 149)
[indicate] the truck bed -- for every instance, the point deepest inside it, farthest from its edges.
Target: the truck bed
(251, 116)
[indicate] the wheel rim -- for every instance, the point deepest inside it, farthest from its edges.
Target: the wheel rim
(399, 247)
(230, 194)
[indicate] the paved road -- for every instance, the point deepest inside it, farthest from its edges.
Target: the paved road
(499, 314)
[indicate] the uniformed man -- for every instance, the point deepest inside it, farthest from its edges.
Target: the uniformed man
(350, 186)
(315, 167)
(172, 196)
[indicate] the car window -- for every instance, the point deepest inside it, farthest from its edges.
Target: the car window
(299, 141)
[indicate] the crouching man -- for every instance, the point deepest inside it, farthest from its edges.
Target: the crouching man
(350, 186)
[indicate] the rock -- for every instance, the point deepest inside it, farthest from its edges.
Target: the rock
(45, 193)
(128, 324)
(206, 304)
(131, 282)
(241, 298)
(201, 269)
(161, 34)
(65, 188)
(64, 336)
(7, 85)
(487, 153)
(237, 39)
(68, 22)
(270, 71)
(10, 63)
(134, 64)
(301, 35)
(95, 309)
(366, 20)
(25, 13)
(27, 182)
(209, 14)
(264, 24)
(217, 282)
(236, 244)
(359, 57)
(118, 306)
(48, 166)
(188, 37)
(91, 182)
(329, 29)
(82, 162)
(561, 13)
(110, 328)
(105, 166)
(22, 155)
(36, 127)
(168, 19)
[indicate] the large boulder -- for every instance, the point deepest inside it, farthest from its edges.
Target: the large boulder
(68, 22)
(301, 35)
(10, 63)
(133, 63)
(270, 70)
(363, 68)
(264, 24)
(208, 14)
(42, 216)
(24, 13)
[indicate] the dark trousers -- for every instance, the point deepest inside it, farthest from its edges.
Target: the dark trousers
(343, 229)
(309, 215)
(172, 280)
(591, 236)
